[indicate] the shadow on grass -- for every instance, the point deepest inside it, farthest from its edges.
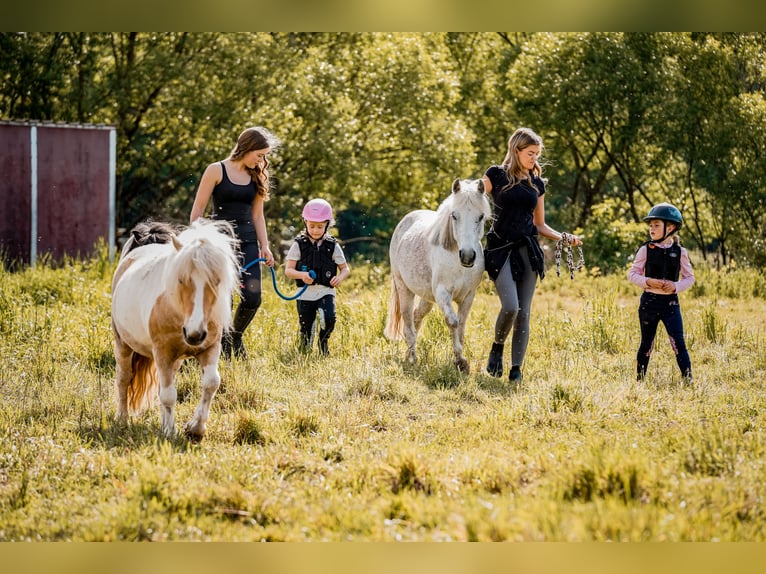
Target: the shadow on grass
(131, 435)
(445, 376)
(498, 385)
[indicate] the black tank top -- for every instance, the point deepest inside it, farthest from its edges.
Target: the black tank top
(234, 203)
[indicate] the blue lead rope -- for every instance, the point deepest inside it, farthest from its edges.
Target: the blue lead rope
(274, 279)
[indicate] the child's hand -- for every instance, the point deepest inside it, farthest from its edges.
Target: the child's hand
(668, 287)
(335, 281)
(308, 279)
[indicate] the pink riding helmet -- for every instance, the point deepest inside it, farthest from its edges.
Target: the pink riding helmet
(317, 210)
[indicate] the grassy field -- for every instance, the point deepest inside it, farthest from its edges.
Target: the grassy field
(360, 446)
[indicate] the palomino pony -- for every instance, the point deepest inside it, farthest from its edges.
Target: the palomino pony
(171, 299)
(438, 257)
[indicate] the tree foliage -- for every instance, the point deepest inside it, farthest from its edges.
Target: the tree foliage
(380, 124)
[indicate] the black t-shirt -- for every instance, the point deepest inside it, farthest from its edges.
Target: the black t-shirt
(513, 206)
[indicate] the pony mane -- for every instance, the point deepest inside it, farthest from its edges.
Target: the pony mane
(148, 233)
(462, 200)
(208, 247)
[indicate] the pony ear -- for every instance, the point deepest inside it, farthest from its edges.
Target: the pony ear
(176, 243)
(480, 187)
(456, 185)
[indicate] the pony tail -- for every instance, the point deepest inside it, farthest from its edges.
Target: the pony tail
(394, 324)
(143, 386)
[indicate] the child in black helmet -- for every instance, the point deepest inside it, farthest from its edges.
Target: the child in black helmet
(316, 259)
(662, 269)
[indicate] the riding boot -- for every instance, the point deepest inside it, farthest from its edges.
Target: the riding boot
(226, 345)
(514, 375)
(304, 344)
(495, 361)
(324, 347)
(242, 319)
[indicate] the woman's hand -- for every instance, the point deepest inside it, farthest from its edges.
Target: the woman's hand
(268, 256)
(571, 238)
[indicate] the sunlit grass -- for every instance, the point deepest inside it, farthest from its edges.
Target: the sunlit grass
(361, 445)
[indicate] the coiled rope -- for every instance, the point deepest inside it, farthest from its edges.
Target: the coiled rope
(565, 243)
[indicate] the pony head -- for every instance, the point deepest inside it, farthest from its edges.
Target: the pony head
(205, 275)
(460, 220)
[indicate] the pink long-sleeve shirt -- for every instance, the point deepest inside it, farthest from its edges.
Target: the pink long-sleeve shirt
(637, 277)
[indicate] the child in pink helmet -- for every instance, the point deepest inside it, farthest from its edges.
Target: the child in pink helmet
(315, 250)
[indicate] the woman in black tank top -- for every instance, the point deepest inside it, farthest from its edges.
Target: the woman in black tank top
(239, 186)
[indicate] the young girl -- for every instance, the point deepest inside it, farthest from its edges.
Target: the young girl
(239, 185)
(662, 269)
(315, 250)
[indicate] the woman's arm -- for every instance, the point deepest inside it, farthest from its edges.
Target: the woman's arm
(210, 178)
(259, 221)
(538, 217)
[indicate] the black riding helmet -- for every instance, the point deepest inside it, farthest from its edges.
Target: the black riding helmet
(668, 213)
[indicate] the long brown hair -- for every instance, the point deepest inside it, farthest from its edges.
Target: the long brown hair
(521, 139)
(253, 139)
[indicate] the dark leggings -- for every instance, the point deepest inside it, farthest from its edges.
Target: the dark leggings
(515, 307)
(250, 279)
(307, 312)
(652, 309)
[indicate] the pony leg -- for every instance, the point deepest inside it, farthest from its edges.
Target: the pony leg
(444, 301)
(406, 307)
(123, 356)
(211, 380)
(168, 396)
(458, 334)
(421, 311)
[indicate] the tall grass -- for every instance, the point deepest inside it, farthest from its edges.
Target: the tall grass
(361, 446)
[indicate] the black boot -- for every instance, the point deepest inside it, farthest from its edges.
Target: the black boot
(324, 348)
(514, 375)
(236, 346)
(495, 361)
(304, 343)
(226, 345)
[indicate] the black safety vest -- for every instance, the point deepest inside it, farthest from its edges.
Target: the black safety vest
(663, 263)
(317, 258)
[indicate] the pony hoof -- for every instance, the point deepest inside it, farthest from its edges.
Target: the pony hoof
(193, 436)
(462, 365)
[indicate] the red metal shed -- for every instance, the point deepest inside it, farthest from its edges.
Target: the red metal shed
(57, 191)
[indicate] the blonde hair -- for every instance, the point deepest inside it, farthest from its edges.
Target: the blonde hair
(521, 139)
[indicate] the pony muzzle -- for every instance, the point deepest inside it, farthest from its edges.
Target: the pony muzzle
(467, 257)
(194, 338)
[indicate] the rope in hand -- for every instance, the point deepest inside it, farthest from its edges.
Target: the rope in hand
(274, 279)
(566, 243)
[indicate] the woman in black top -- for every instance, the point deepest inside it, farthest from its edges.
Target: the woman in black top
(239, 185)
(513, 257)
